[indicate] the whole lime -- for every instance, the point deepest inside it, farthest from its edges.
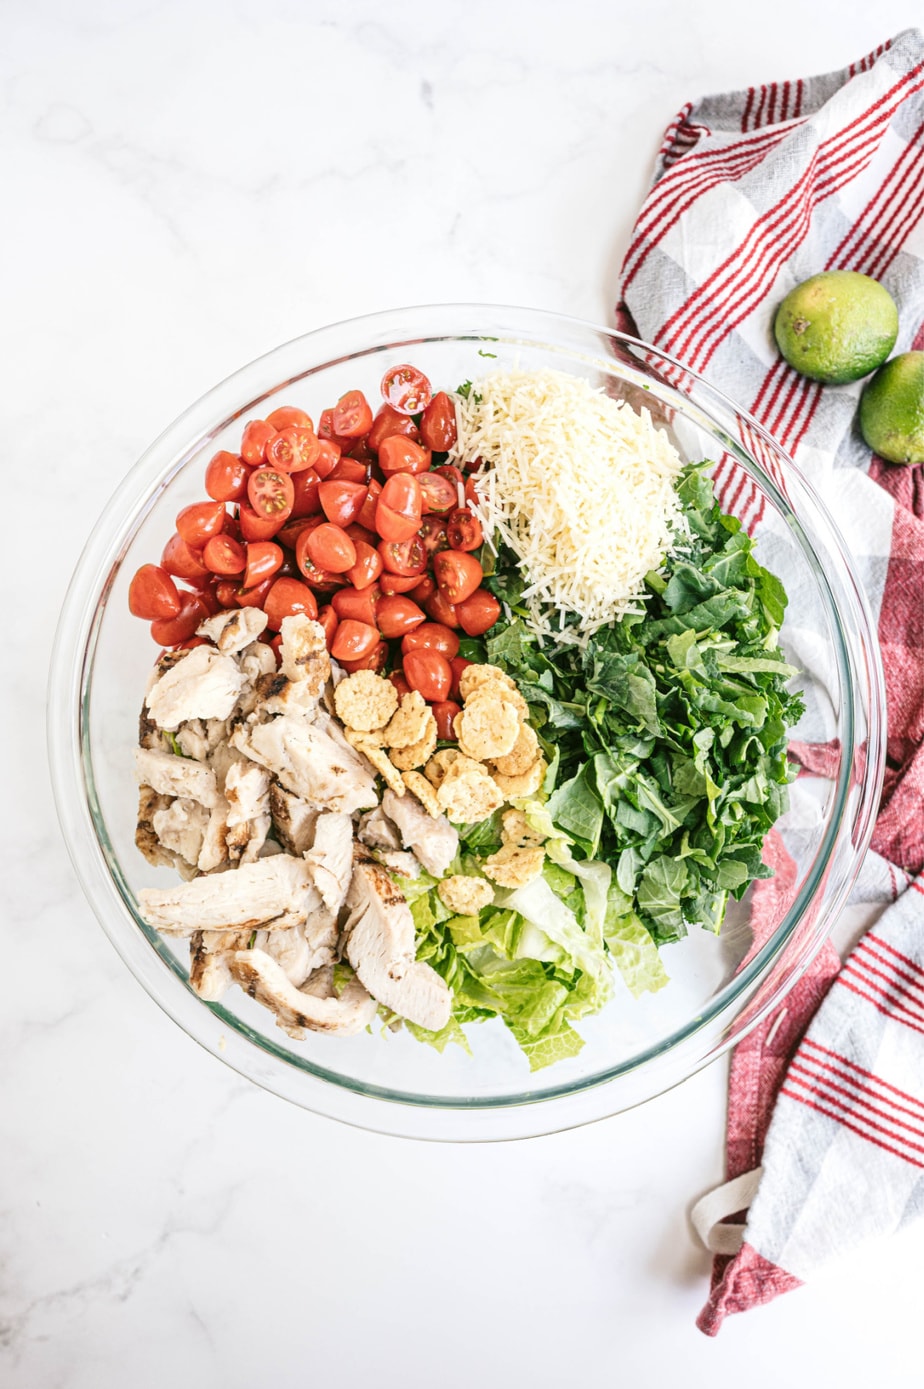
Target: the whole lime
(836, 326)
(892, 409)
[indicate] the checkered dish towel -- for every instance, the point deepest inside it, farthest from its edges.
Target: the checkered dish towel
(754, 192)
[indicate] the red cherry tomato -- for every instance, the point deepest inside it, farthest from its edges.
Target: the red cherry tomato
(360, 604)
(209, 598)
(353, 641)
(178, 559)
(464, 530)
(358, 533)
(226, 594)
(457, 664)
(433, 636)
(471, 496)
(440, 495)
(360, 453)
(441, 610)
(405, 557)
(191, 642)
(342, 501)
(368, 565)
(271, 494)
(198, 523)
(316, 574)
(397, 679)
(167, 631)
(367, 515)
(289, 417)
(433, 534)
(389, 422)
(296, 526)
(152, 594)
(401, 455)
(348, 469)
(424, 590)
(395, 616)
(398, 511)
(288, 598)
(375, 661)
(452, 474)
(254, 597)
(224, 555)
(351, 417)
(255, 527)
(257, 434)
(406, 389)
(318, 579)
(305, 486)
(329, 621)
(429, 673)
(226, 477)
(327, 459)
(438, 426)
(331, 548)
(263, 560)
(478, 613)
(457, 574)
(391, 584)
(444, 711)
(293, 450)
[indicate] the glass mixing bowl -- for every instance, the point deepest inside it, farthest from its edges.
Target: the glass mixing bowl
(720, 986)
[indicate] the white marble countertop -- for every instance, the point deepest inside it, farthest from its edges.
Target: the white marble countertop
(186, 185)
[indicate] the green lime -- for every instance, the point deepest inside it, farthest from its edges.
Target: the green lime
(837, 326)
(892, 409)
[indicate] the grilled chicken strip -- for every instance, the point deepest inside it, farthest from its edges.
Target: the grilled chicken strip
(298, 1012)
(273, 893)
(176, 776)
(203, 685)
(435, 842)
(309, 763)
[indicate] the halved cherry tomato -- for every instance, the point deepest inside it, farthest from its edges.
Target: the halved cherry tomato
(358, 533)
(349, 469)
(457, 574)
(167, 631)
(351, 417)
(424, 590)
(441, 610)
(406, 389)
(360, 604)
(288, 417)
(152, 594)
(478, 613)
(178, 559)
(440, 494)
(191, 642)
(254, 597)
(406, 557)
(353, 641)
(257, 434)
(444, 711)
(328, 457)
(331, 548)
(276, 647)
(398, 512)
(360, 453)
(255, 527)
(329, 621)
(471, 496)
(452, 474)
(433, 534)
(342, 501)
(391, 584)
(318, 579)
(226, 593)
(400, 683)
(226, 477)
(315, 574)
(263, 560)
(375, 661)
(464, 530)
(305, 484)
(288, 598)
(198, 523)
(429, 673)
(438, 426)
(224, 555)
(293, 449)
(394, 616)
(457, 664)
(368, 565)
(271, 494)
(367, 516)
(401, 455)
(295, 526)
(210, 599)
(433, 636)
(387, 423)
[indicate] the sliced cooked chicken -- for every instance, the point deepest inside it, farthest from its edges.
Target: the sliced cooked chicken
(215, 853)
(331, 858)
(294, 819)
(400, 861)
(305, 948)
(434, 840)
(256, 660)
(246, 788)
(309, 763)
(209, 952)
(176, 776)
(181, 827)
(260, 976)
(255, 832)
(380, 947)
(232, 631)
(376, 830)
(277, 694)
(274, 892)
(304, 653)
(203, 685)
(150, 804)
(200, 738)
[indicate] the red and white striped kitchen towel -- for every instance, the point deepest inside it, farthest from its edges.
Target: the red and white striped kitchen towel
(754, 191)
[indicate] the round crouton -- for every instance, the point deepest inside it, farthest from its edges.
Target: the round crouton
(365, 701)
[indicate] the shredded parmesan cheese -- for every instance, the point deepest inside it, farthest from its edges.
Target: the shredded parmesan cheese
(579, 485)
